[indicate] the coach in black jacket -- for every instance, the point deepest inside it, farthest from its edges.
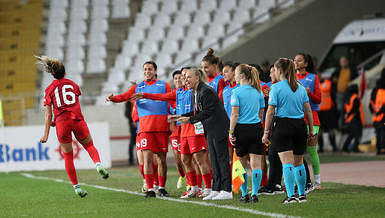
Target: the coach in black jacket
(211, 113)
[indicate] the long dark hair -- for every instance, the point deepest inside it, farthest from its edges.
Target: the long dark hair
(310, 63)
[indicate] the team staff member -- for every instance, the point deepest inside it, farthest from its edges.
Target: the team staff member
(287, 101)
(228, 75)
(63, 94)
(153, 128)
(209, 66)
(209, 112)
(306, 74)
(245, 127)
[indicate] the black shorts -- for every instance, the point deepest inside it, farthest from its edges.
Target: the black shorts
(289, 134)
(249, 139)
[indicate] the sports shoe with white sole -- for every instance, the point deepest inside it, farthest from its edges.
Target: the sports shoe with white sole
(102, 172)
(289, 200)
(316, 186)
(180, 183)
(224, 195)
(301, 199)
(308, 188)
(81, 192)
(205, 193)
(211, 195)
(191, 194)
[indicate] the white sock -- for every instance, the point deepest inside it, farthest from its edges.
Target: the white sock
(317, 178)
(194, 188)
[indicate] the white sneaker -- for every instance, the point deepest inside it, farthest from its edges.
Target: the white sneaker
(205, 193)
(224, 195)
(191, 194)
(211, 195)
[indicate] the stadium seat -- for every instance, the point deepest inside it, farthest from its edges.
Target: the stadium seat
(162, 20)
(195, 32)
(229, 41)
(260, 15)
(79, 3)
(190, 45)
(136, 34)
(120, 11)
(228, 5)
(221, 17)
(215, 31)
(169, 7)
(100, 2)
(96, 52)
(58, 4)
(110, 87)
(208, 6)
(175, 33)
(77, 78)
(57, 15)
(182, 19)
(202, 18)
(267, 4)
(99, 25)
(79, 26)
(78, 13)
(149, 48)
(120, 2)
(96, 66)
(76, 39)
(140, 60)
(55, 53)
(122, 62)
(199, 56)
(183, 57)
(163, 59)
(74, 66)
(235, 29)
(149, 8)
(116, 76)
(100, 12)
(55, 41)
(241, 16)
(189, 6)
(246, 4)
(75, 53)
(142, 21)
(170, 46)
(98, 38)
(211, 42)
(136, 74)
(130, 48)
(155, 34)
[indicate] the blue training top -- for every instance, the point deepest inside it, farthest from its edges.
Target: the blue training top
(249, 101)
(214, 84)
(227, 98)
(148, 107)
(309, 81)
(288, 104)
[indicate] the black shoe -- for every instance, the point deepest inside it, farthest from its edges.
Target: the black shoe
(308, 188)
(254, 199)
(265, 191)
(163, 193)
(150, 194)
(278, 189)
(288, 200)
(301, 199)
(244, 199)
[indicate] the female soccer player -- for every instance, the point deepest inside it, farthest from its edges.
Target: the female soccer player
(246, 131)
(306, 74)
(287, 101)
(63, 95)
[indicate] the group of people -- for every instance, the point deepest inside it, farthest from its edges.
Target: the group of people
(212, 112)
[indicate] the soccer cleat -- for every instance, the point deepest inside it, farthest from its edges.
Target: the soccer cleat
(278, 189)
(223, 195)
(309, 187)
(163, 193)
(191, 194)
(301, 199)
(144, 187)
(244, 199)
(211, 195)
(205, 193)
(254, 199)
(316, 186)
(289, 200)
(180, 183)
(81, 192)
(103, 173)
(150, 194)
(265, 191)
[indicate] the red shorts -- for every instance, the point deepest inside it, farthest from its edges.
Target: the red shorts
(65, 127)
(192, 144)
(137, 142)
(175, 143)
(155, 141)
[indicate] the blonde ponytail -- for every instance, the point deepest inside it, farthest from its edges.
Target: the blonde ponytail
(52, 66)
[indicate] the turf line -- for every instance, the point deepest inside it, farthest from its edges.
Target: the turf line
(275, 215)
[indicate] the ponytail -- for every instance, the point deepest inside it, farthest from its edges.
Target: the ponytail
(288, 69)
(251, 74)
(310, 63)
(52, 66)
(210, 57)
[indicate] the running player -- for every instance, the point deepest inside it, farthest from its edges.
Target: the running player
(153, 128)
(63, 95)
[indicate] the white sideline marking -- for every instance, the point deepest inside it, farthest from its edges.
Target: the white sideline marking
(168, 199)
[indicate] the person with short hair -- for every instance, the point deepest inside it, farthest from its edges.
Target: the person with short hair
(246, 130)
(287, 101)
(63, 95)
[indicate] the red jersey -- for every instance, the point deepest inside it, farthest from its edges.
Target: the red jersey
(63, 94)
(221, 85)
(151, 123)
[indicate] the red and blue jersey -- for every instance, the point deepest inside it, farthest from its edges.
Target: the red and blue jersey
(227, 97)
(311, 80)
(217, 82)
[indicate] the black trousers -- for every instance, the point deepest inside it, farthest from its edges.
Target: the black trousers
(219, 159)
(275, 169)
(355, 132)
